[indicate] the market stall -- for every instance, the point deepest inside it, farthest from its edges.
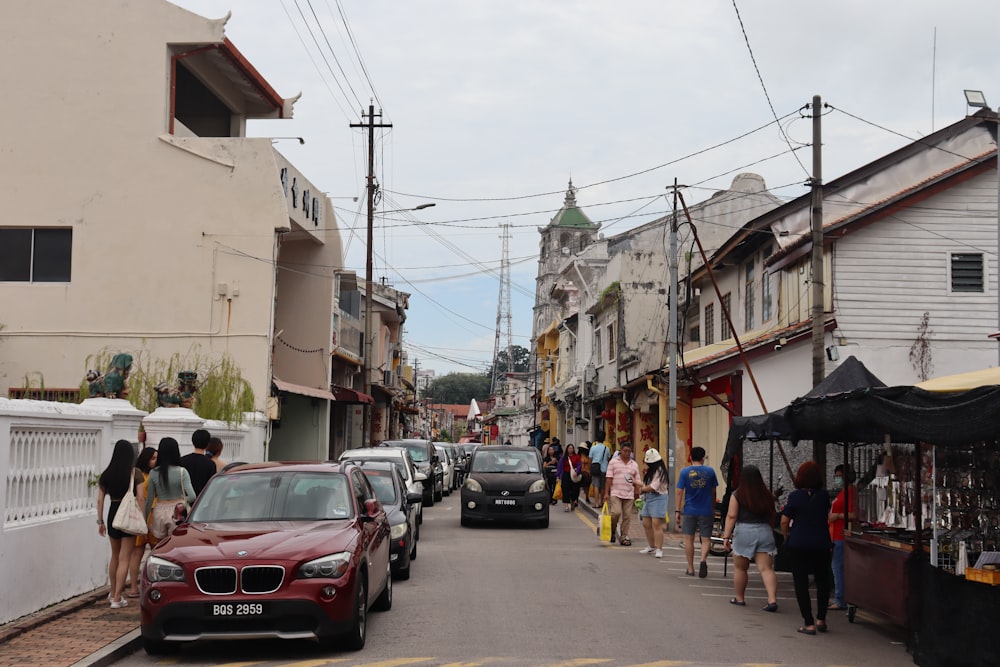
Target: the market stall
(928, 509)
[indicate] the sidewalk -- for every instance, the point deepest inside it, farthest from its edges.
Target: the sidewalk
(81, 632)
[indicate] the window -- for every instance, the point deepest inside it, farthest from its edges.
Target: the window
(695, 334)
(597, 346)
(967, 272)
(36, 255)
(765, 297)
(611, 342)
(748, 297)
(727, 310)
(709, 324)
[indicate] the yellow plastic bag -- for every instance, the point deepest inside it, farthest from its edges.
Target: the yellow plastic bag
(605, 524)
(557, 494)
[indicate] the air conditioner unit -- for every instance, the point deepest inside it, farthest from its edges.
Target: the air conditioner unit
(387, 377)
(589, 373)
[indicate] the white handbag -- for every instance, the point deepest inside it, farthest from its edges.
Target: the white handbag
(129, 518)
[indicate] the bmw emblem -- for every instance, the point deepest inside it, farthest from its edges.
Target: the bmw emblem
(505, 493)
(242, 554)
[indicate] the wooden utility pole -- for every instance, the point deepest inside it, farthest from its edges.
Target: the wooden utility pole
(816, 312)
(366, 438)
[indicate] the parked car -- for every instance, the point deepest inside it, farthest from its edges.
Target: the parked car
(505, 484)
(282, 550)
(400, 456)
(447, 458)
(400, 507)
(458, 459)
(428, 462)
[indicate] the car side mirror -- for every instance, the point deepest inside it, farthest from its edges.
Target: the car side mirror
(435, 459)
(414, 498)
(372, 509)
(420, 477)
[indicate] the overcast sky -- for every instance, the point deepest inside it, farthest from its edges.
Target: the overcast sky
(496, 105)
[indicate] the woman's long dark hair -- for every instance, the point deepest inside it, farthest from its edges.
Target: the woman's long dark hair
(656, 468)
(145, 458)
(753, 494)
(169, 456)
(116, 475)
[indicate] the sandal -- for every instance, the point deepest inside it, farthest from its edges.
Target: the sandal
(821, 626)
(626, 542)
(130, 594)
(738, 603)
(806, 630)
(772, 607)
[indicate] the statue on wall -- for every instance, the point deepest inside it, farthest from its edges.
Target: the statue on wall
(181, 396)
(111, 384)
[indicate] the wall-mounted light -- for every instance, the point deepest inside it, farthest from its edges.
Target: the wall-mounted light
(832, 353)
(975, 99)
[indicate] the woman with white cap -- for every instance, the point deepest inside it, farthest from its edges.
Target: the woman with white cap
(654, 487)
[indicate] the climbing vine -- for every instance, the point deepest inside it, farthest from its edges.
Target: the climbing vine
(920, 351)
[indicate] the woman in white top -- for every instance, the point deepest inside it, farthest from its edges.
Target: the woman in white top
(168, 485)
(654, 487)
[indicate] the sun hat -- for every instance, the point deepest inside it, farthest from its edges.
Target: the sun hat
(652, 456)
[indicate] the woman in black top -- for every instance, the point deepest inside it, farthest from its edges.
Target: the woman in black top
(749, 534)
(807, 538)
(113, 484)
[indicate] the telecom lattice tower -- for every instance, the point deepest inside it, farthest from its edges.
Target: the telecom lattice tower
(503, 309)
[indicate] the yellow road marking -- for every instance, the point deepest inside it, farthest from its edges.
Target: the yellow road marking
(392, 663)
(664, 663)
(239, 664)
(314, 663)
(465, 664)
(579, 661)
(586, 520)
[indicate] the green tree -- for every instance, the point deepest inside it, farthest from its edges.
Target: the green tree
(458, 388)
(520, 355)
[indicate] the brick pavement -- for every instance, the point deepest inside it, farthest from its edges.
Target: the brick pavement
(70, 633)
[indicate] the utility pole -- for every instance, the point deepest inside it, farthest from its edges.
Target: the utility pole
(816, 312)
(368, 342)
(672, 339)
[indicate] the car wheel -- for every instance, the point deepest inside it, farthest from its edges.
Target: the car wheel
(403, 573)
(157, 647)
(359, 628)
(543, 523)
(420, 519)
(439, 492)
(413, 551)
(384, 601)
(429, 500)
(466, 521)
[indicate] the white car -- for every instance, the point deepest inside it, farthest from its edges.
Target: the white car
(401, 457)
(447, 457)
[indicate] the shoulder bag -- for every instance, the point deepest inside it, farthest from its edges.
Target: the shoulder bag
(129, 518)
(574, 474)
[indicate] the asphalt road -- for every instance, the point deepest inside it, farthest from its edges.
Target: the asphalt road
(510, 595)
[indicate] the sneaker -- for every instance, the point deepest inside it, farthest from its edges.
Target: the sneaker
(703, 570)
(658, 553)
(118, 604)
(646, 550)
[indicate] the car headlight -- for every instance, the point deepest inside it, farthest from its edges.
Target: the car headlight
(327, 567)
(397, 531)
(473, 485)
(537, 487)
(158, 569)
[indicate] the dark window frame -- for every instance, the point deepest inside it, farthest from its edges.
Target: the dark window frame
(36, 255)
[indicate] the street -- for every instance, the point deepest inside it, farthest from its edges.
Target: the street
(507, 595)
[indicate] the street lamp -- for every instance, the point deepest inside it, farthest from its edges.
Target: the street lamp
(368, 342)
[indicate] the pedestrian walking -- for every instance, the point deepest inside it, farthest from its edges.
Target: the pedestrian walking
(550, 463)
(654, 487)
(749, 534)
(570, 477)
(145, 463)
(696, 486)
(213, 450)
(169, 484)
(807, 538)
(199, 466)
(112, 485)
(844, 507)
(585, 471)
(619, 492)
(600, 455)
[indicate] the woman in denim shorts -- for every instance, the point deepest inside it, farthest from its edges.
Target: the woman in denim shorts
(749, 534)
(654, 487)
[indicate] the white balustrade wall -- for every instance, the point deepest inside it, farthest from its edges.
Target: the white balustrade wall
(50, 457)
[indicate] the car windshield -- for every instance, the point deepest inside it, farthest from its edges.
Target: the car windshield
(503, 460)
(274, 496)
(398, 462)
(381, 481)
(418, 453)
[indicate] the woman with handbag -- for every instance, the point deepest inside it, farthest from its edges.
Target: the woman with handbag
(117, 481)
(571, 474)
(145, 463)
(169, 484)
(654, 487)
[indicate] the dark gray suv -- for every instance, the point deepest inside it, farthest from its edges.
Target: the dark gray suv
(425, 457)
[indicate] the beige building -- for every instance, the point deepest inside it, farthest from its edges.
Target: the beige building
(136, 216)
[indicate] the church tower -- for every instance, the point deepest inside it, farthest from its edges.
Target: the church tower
(569, 232)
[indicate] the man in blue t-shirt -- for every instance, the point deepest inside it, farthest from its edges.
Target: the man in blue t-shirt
(696, 486)
(600, 455)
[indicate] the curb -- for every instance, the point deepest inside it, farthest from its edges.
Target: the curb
(113, 652)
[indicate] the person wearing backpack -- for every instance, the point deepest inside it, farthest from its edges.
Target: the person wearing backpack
(600, 455)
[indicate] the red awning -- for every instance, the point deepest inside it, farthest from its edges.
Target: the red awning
(303, 390)
(345, 395)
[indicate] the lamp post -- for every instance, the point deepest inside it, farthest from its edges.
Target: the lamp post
(368, 342)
